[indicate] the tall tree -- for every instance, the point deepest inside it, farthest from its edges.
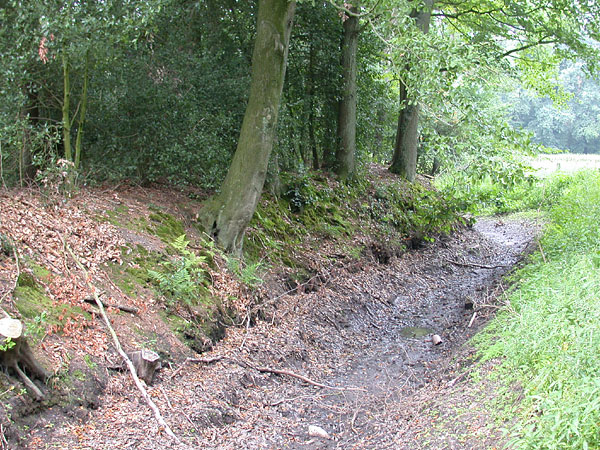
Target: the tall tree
(226, 215)
(346, 151)
(404, 160)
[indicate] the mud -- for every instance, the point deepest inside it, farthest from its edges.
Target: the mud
(366, 333)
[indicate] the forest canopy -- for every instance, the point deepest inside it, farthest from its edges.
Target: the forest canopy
(158, 90)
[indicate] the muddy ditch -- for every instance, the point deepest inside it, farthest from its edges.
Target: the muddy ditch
(365, 333)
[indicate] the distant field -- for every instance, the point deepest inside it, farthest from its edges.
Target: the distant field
(567, 163)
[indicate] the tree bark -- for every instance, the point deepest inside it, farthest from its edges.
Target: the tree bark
(226, 216)
(84, 101)
(346, 151)
(310, 93)
(404, 161)
(66, 117)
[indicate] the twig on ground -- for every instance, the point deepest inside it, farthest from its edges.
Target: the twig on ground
(354, 430)
(166, 398)
(453, 381)
(542, 252)
(124, 308)
(298, 376)
(479, 266)
(248, 365)
(472, 319)
(196, 360)
(158, 416)
(247, 330)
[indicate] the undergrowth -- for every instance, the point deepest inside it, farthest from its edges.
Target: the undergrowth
(313, 208)
(548, 335)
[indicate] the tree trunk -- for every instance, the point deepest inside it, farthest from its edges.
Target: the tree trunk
(226, 216)
(66, 112)
(346, 151)
(84, 101)
(310, 93)
(404, 161)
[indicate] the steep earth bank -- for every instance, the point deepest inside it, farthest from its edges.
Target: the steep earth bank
(363, 340)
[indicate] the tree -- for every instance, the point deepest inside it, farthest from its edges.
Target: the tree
(346, 150)
(226, 215)
(404, 160)
(512, 37)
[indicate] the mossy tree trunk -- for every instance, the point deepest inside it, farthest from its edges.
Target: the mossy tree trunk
(404, 161)
(226, 215)
(346, 151)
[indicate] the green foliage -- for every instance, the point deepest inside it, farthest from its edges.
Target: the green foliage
(569, 125)
(58, 180)
(7, 344)
(547, 335)
(247, 273)
(182, 277)
(413, 210)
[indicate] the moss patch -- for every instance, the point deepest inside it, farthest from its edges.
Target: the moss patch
(38, 310)
(165, 226)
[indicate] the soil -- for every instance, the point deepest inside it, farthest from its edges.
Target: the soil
(365, 333)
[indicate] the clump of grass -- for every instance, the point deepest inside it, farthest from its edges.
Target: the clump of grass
(548, 336)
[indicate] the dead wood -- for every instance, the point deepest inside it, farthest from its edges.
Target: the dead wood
(124, 308)
(247, 365)
(146, 362)
(196, 360)
(479, 266)
(157, 415)
(16, 354)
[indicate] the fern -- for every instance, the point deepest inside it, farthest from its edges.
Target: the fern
(180, 278)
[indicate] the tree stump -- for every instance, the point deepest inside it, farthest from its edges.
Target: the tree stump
(146, 362)
(16, 354)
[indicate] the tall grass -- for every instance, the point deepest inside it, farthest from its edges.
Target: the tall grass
(549, 336)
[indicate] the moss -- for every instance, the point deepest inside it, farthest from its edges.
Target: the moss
(41, 273)
(115, 216)
(132, 275)
(165, 226)
(26, 280)
(32, 303)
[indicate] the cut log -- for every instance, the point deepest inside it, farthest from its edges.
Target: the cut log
(16, 354)
(146, 362)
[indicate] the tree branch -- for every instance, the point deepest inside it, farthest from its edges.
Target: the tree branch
(542, 41)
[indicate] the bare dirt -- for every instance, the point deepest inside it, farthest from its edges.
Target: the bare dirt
(366, 334)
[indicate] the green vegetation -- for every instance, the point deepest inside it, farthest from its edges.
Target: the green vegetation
(39, 311)
(314, 207)
(547, 336)
(181, 278)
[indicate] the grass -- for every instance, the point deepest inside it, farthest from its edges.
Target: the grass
(548, 337)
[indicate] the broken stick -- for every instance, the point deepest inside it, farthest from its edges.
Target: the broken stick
(158, 416)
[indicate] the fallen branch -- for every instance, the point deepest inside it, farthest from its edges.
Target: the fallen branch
(196, 360)
(298, 376)
(479, 266)
(247, 365)
(124, 308)
(117, 344)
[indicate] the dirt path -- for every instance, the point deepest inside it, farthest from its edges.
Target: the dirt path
(367, 332)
